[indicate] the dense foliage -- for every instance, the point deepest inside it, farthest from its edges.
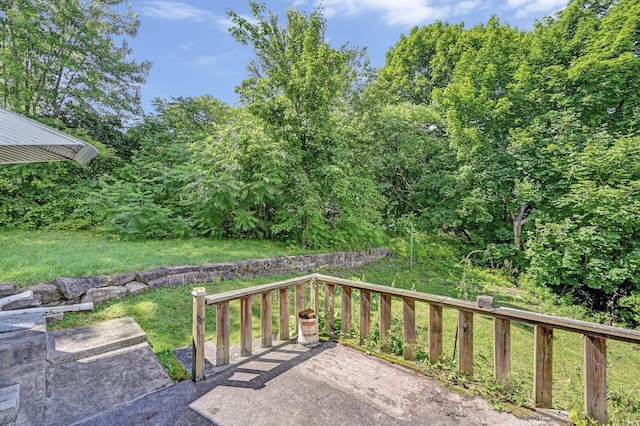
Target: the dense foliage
(524, 144)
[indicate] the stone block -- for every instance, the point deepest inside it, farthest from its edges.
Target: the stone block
(21, 304)
(7, 288)
(74, 287)
(153, 274)
(97, 295)
(168, 281)
(46, 293)
(134, 288)
(121, 279)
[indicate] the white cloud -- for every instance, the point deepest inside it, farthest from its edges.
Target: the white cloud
(528, 8)
(181, 11)
(176, 11)
(467, 7)
(205, 60)
(401, 12)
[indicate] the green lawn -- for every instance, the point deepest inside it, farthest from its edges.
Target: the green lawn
(165, 314)
(30, 257)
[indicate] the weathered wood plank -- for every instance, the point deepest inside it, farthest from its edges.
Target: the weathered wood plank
(465, 343)
(228, 296)
(222, 333)
(283, 300)
(266, 317)
(197, 351)
(245, 326)
(385, 321)
(315, 296)
(435, 333)
(365, 315)
(502, 352)
(345, 313)
(543, 367)
(595, 378)
(576, 326)
(299, 304)
(329, 307)
(409, 328)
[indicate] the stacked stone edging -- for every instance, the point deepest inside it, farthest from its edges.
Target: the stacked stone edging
(70, 290)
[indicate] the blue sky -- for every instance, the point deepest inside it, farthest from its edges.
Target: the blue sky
(193, 54)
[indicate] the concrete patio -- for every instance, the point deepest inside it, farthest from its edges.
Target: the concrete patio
(107, 375)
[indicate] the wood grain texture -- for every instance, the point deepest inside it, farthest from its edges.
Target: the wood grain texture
(502, 352)
(197, 360)
(465, 343)
(595, 378)
(543, 367)
(266, 317)
(222, 333)
(345, 313)
(409, 328)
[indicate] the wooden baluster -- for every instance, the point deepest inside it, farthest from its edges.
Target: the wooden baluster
(222, 333)
(245, 327)
(329, 307)
(543, 367)
(365, 315)
(595, 378)
(409, 328)
(435, 333)
(315, 298)
(197, 348)
(502, 352)
(299, 304)
(385, 321)
(346, 310)
(465, 343)
(283, 331)
(266, 318)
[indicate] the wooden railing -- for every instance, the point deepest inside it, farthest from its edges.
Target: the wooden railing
(594, 335)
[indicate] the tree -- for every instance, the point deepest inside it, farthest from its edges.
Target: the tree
(146, 198)
(300, 87)
(586, 246)
(68, 55)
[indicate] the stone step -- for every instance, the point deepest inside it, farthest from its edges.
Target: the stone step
(71, 344)
(82, 389)
(9, 403)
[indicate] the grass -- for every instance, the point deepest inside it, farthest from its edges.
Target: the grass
(165, 315)
(30, 257)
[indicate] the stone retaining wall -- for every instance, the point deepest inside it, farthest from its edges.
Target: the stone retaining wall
(65, 291)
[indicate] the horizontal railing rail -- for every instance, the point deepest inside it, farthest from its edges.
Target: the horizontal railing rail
(594, 335)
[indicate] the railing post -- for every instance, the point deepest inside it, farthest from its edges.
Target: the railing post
(329, 307)
(543, 367)
(465, 343)
(409, 328)
(283, 299)
(266, 331)
(197, 360)
(299, 304)
(435, 333)
(365, 315)
(595, 378)
(245, 327)
(345, 314)
(385, 321)
(502, 352)
(222, 333)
